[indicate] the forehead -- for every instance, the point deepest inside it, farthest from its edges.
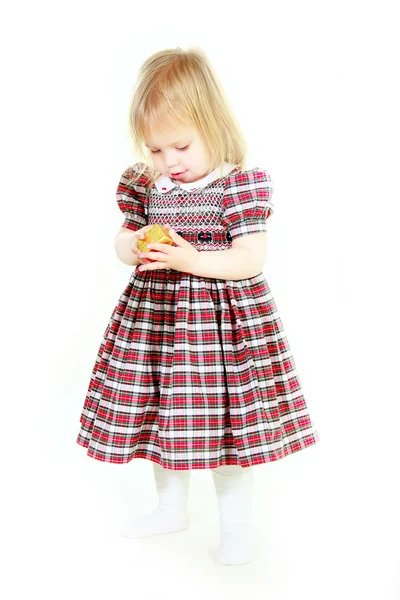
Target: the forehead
(169, 137)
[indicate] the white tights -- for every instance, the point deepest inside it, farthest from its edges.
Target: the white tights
(233, 485)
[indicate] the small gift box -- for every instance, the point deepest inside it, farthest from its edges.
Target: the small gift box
(157, 234)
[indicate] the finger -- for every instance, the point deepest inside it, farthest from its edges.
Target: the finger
(178, 239)
(138, 252)
(153, 256)
(135, 246)
(152, 267)
(142, 231)
(165, 248)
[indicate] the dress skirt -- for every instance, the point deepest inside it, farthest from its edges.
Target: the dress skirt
(195, 373)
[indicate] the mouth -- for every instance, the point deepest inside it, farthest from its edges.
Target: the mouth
(176, 175)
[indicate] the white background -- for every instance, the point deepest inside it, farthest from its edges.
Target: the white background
(314, 86)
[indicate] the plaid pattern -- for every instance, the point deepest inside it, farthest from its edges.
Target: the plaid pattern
(194, 372)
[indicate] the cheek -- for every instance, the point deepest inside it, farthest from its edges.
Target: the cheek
(192, 156)
(158, 161)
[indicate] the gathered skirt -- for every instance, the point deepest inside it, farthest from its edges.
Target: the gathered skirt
(194, 373)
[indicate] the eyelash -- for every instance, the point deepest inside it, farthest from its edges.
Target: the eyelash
(184, 148)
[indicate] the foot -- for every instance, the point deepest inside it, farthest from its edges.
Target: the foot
(236, 545)
(155, 523)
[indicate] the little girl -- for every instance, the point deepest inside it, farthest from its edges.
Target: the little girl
(194, 370)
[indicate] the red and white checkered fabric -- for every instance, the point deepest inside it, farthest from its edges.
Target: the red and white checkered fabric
(194, 372)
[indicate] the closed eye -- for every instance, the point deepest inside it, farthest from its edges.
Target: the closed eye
(184, 148)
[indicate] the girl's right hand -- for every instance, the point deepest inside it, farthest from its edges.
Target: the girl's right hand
(139, 235)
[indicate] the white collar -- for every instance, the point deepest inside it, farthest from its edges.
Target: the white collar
(165, 183)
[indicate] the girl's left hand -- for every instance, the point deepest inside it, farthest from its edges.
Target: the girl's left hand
(182, 257)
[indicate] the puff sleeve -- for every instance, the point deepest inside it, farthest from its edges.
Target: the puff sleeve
(132, 199)
(247, 202)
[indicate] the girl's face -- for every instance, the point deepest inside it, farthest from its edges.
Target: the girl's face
(181, 149)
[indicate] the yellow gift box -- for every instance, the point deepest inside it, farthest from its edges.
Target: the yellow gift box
(157, 234)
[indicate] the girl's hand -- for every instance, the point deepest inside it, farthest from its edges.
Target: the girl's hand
(139, 235)
(182, 257)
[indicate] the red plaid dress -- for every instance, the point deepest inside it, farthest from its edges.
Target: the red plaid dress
(194, 372)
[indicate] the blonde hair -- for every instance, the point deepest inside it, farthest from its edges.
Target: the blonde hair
(180, 86)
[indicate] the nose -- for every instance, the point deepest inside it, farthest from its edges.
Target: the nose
(171, 164)
(170, 160)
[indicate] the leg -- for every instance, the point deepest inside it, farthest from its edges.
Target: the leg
(233, 486)
(171, 513)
